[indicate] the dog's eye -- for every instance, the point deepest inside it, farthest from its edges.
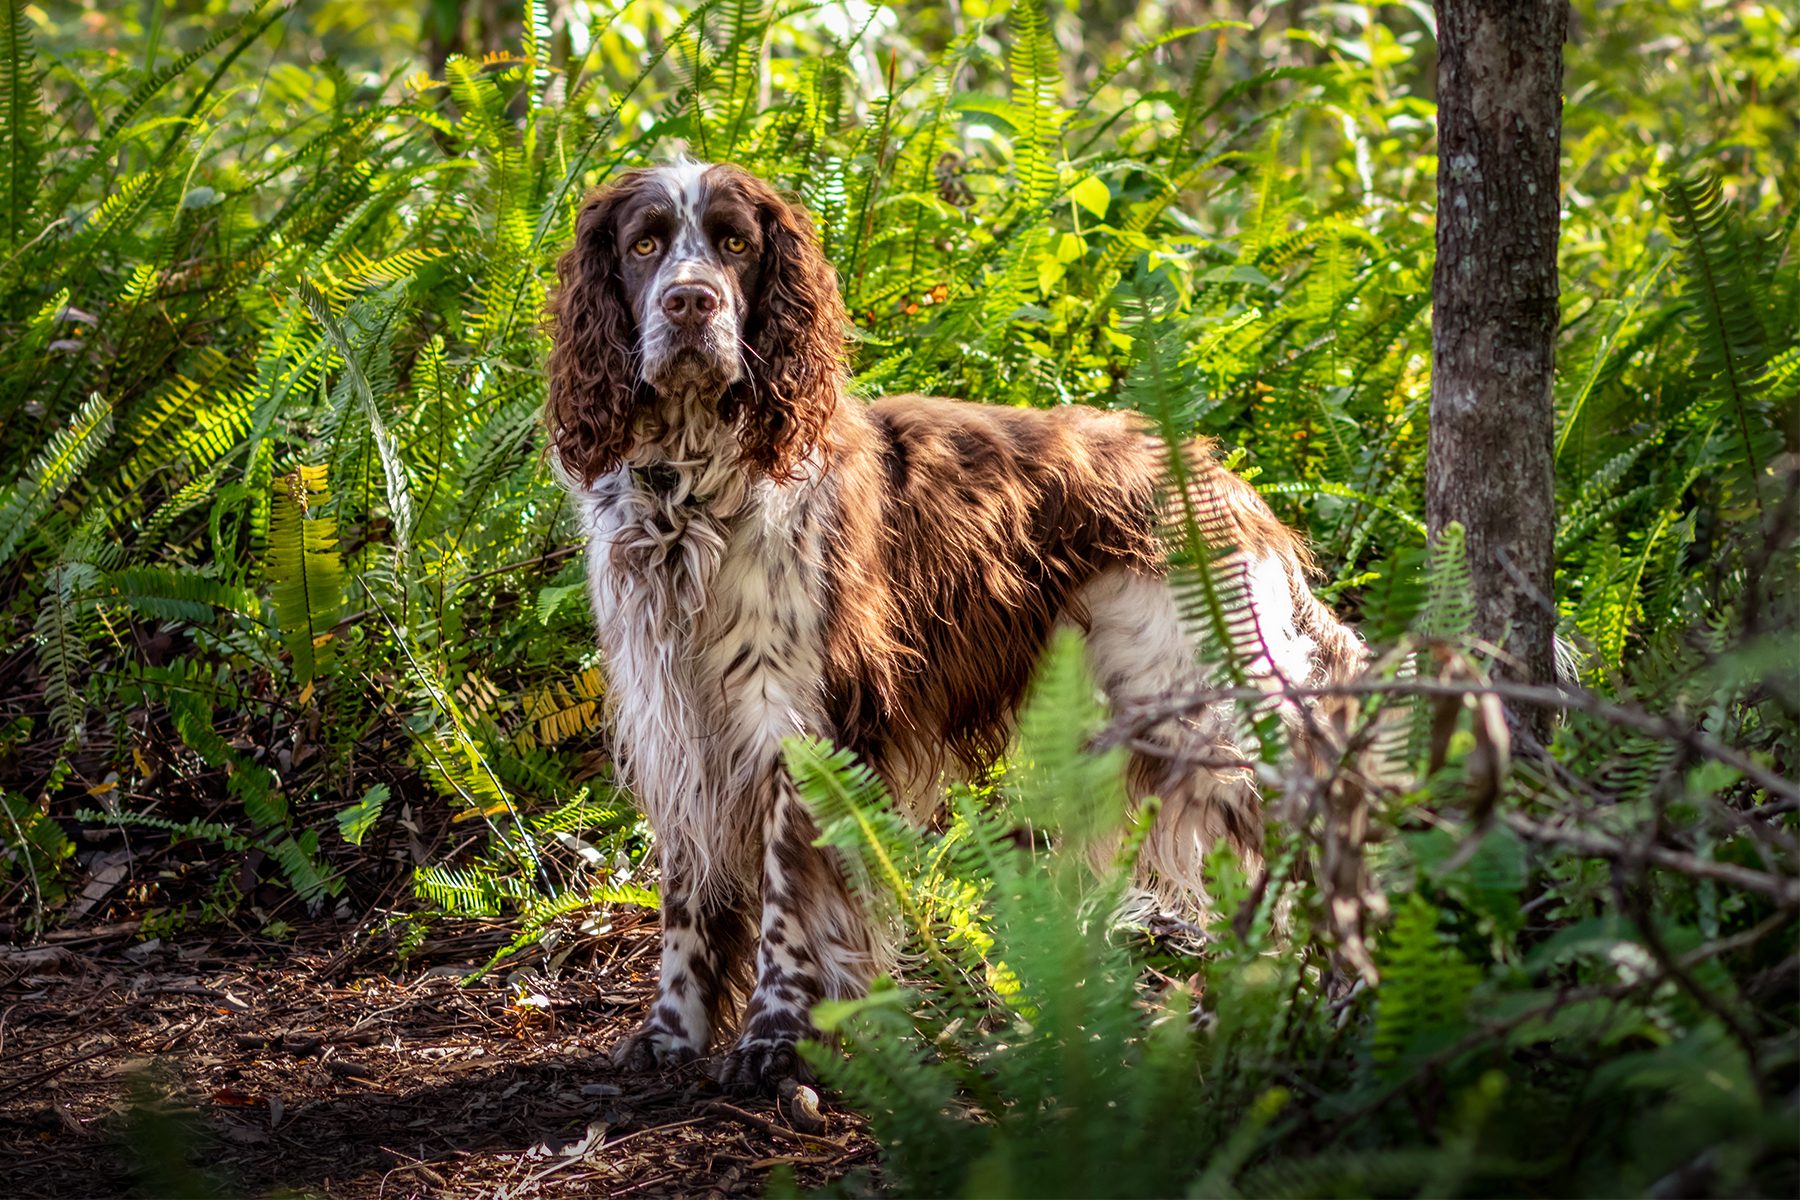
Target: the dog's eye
(644, 246)
(734, 244)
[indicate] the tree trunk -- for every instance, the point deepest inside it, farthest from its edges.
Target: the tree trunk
(1491, 459)
(441, 23)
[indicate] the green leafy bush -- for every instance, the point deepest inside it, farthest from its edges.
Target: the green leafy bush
(288, 591)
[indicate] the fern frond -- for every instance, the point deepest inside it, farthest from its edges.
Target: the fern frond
(1326, 487)
(393, 467)
(539, 912)
(163, 420)
(1425, 985)
(216, 832)
(1727, 303)
(305, 574)
(172, 594)
(852, 809)
(1035, 111)
(1449, 612)
(479, 891)
(21, 124)
(57, 466)
(64, 627)
(558, 712)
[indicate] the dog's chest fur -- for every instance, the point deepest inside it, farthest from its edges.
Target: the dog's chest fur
(709, 596)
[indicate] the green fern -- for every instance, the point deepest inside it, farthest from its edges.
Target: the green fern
(65, 626)
(393, 469)
(24, 503)
(215, 832)
(1035, 112)
(469, 892)
(21, 125)
(166, 594)
(892, 865)
(1425, 988)
(305, 573)
(1449, 611)
(1728, 308)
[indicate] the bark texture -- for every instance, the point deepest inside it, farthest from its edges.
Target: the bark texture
(1491, 458)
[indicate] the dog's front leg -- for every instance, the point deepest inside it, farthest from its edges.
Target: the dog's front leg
(815, 944)
(706, 939)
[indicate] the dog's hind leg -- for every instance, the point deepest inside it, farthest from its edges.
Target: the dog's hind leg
(1141, 652)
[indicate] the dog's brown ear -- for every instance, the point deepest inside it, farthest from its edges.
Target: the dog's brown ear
(594, 387)
(795, 334)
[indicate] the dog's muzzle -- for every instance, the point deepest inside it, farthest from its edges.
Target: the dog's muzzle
(690, 337)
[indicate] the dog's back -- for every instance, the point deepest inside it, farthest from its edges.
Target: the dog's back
(965, 534)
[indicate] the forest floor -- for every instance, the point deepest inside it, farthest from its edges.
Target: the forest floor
(241, 1066)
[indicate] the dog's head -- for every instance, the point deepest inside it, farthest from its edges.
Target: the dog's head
(692, 285)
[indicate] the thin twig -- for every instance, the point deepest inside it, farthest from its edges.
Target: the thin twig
(1147, 716)
(725, 1109)
(1785, 891)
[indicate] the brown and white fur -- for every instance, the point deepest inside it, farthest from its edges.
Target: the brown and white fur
(769, 557)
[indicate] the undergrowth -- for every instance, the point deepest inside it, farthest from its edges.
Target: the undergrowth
(290, 598)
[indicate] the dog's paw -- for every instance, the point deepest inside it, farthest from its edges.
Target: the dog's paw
(653, 1046)
(758, 1065)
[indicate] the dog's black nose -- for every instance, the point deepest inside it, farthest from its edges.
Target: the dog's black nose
(690, 303)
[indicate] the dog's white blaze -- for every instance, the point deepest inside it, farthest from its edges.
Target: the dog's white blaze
(690, 258)
(685, 181)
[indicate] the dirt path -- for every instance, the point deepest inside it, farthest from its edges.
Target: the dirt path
(247, 1067)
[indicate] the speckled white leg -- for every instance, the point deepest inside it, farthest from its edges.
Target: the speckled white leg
(704, 946)
(815, 944)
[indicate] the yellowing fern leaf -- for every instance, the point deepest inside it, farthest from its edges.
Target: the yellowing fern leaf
(306, 575)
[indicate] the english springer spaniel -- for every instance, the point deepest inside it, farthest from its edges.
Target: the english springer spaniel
(771, 556)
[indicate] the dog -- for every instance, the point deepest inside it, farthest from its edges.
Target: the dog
(769, 556)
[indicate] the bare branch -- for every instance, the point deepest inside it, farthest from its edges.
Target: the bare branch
(1784, 891)
(1574, 699)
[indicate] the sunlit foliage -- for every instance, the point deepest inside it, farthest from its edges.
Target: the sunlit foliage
(285, 581)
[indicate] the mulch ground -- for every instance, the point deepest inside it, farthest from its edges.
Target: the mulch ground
(234, 1066)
